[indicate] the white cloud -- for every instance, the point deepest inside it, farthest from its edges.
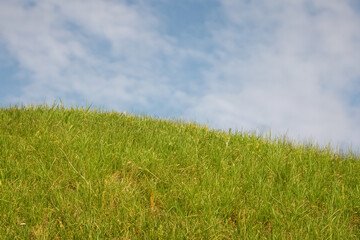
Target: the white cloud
(284, 65)
(107, 52)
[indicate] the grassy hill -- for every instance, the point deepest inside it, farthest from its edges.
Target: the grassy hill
(87, 174)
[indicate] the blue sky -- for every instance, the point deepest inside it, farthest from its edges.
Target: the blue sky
(291, 67)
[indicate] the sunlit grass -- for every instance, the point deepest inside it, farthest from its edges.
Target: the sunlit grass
(78, 173)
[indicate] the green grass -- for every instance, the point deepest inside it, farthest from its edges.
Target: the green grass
(86, 174)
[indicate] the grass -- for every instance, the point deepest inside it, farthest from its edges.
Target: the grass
(74, 173)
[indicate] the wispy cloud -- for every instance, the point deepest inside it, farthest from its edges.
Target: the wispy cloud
(102, 51)
(285, 66)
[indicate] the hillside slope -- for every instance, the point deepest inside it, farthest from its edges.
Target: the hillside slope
(80, 173)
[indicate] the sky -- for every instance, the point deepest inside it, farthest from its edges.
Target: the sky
(289, 67)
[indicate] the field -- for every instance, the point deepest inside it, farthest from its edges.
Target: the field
(75, 173)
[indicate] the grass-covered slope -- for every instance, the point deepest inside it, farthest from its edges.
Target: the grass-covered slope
(75, 173)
